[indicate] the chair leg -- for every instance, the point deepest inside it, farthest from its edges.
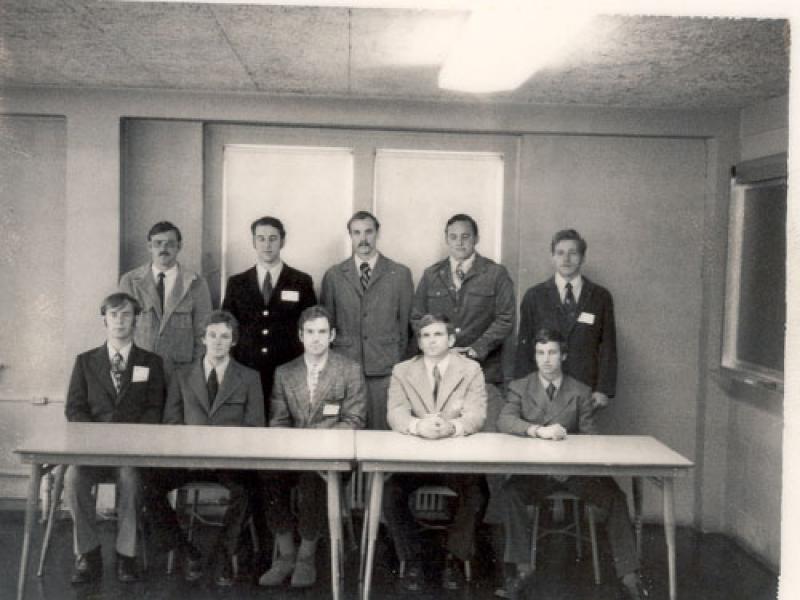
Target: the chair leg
(576, 511)
(593, 538)
(362, 560)
(55, 500)
(193, 514)
(402, 572)
(467, 571)
(171, 561)
(142, 541)
(534, 536)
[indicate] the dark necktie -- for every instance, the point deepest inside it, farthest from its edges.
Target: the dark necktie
(160, 288)
(569, 302)
(460, 274)
(437, 381)
(116, 370)
(364, 274)
(212, 385)
(551, 391)
(266, 289)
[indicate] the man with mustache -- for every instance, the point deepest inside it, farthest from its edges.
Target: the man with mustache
(369, 298)
(175, 300)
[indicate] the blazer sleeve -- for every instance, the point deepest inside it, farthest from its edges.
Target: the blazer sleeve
(503, 323)
(328, 294)
(173, 408)
(420, 304)
(279, 415)
(510, 419)
(201, 307)
(126, 285)
(308, 297)
(404, 309)
(229, 301)
(473, 414)
(76, 408)
(156, 392)
(586, 422)
(398, 408)
(254, 406)
(607, 355)
(524, 356)
(354, 408)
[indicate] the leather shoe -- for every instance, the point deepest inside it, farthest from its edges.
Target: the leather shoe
(513, 587)
(452, 579)
(126, 569)
(88, 567)
(412, 579)
(223, 569)
(281, 568)
(305, 572)
(632, 586)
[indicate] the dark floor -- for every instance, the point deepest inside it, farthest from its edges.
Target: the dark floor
(710, 567)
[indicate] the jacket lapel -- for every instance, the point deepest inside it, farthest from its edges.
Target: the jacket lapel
(452, 377)
(478, 267)
(349, 272)
(252, 284)
(418, 380)
(554, 407)
(444, 272)
(381, 268)
(133, 356)
(197, 383)
(101, 366)
(230, 382)
(148, 287)
(182, 284)
(299, 388)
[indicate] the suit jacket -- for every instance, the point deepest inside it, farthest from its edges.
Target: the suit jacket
(238, 402)
(176, 334)
(372, 324)
(461, 398)
(592, 347)
(92, 396)
(482, 311)
(340, 390)
(268, 333)
(527, 404)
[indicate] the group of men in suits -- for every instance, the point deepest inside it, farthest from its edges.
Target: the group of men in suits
(266, 358)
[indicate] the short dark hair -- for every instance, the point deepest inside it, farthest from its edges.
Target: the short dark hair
(431, 318)
(314, 312)
(361, 215)
(545, 336)
(568, 234)
(269, 222)
(222, 316)
(466, 219)
(118, 299)
(164, 227)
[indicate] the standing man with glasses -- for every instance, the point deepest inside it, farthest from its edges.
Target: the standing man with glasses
(115, 383)
(175, 300)
(369, 298)
(581, 311)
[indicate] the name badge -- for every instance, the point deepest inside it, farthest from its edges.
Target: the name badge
(140, 374)
(587, 318)
(330, 410)
(290, 295)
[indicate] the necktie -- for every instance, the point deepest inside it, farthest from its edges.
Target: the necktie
(116, 370)
(365, 272)
(569, 302)
(266, 290)
(551, 391)
(437, 381)
(313, 379)
(212, 385)
(460, 274)
(160, 288)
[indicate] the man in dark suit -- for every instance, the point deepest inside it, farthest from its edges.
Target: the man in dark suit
(582, 311)
(318, 390)
(437, 395)
(369, 298)
(475, 293)
(115, 383)
(220, 392)
(267, 300)
(548, 404)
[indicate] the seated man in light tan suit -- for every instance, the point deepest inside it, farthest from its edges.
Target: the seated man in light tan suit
(319, 390)
(437, 395)
(216, 391)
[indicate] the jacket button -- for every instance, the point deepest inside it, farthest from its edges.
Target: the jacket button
(263, 351)
(264, 331)
(265, 313)
(458, 329)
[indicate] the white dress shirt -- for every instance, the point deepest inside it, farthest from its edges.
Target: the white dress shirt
(577, 286)
(274, 272)
(466, 265)
(170, 276)
(220, 368)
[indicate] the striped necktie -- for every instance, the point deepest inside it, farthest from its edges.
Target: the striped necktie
(117, 368)
(365, 274)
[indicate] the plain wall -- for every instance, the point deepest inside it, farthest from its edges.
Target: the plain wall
(92, 203)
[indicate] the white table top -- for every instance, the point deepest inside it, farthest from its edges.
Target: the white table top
(192, 446)
(503, 453)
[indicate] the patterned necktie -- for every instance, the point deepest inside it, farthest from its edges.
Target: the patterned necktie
(437, 381)
(160, 288)
(266, 289)
(365, 273)
(551, 391)
(117, 369)
(313, 379)
(212, 385)
(460, 274)
(569, 302)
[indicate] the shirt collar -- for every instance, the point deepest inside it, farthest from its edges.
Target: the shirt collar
(274, 271)
(124, 351)
(577, 285)
(371, 262)
(170, 273)
(556, 382)
(220, 367)
(320, 366)
(442, 364)
(466, 264)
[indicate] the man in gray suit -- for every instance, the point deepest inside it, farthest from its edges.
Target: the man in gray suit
(175, 301)
(369, 298)
(437, 395)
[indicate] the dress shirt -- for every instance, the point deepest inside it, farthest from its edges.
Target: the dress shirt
(170, 276)
(274, 272)
(556, 383)
(220, 367)
(577, 286)
(124, 352)
(371, 262)
(429, 365)
(466, 265)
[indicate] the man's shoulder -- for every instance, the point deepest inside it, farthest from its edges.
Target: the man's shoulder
(433, 269)
(244, 371)
(88, 354)
(463, 363)
(576, 387)
(138, 273)
(519, 386)
(296, 275)
(393, 265)
(540, 289)
(340, 362)
(403, 367)
(241, 277)
(598, 291)
(338, 269)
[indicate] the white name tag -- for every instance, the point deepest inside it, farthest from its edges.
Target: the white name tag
(140, 374)
(330, 410)
(290, 295)
(587, 318)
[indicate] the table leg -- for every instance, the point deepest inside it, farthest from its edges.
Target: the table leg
(669, 533)
(334, 524)
(362, 560)
(375, 499)
(30, 517)
(638, 483)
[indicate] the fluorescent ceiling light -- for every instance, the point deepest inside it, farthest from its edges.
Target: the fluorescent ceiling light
(505, 42)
